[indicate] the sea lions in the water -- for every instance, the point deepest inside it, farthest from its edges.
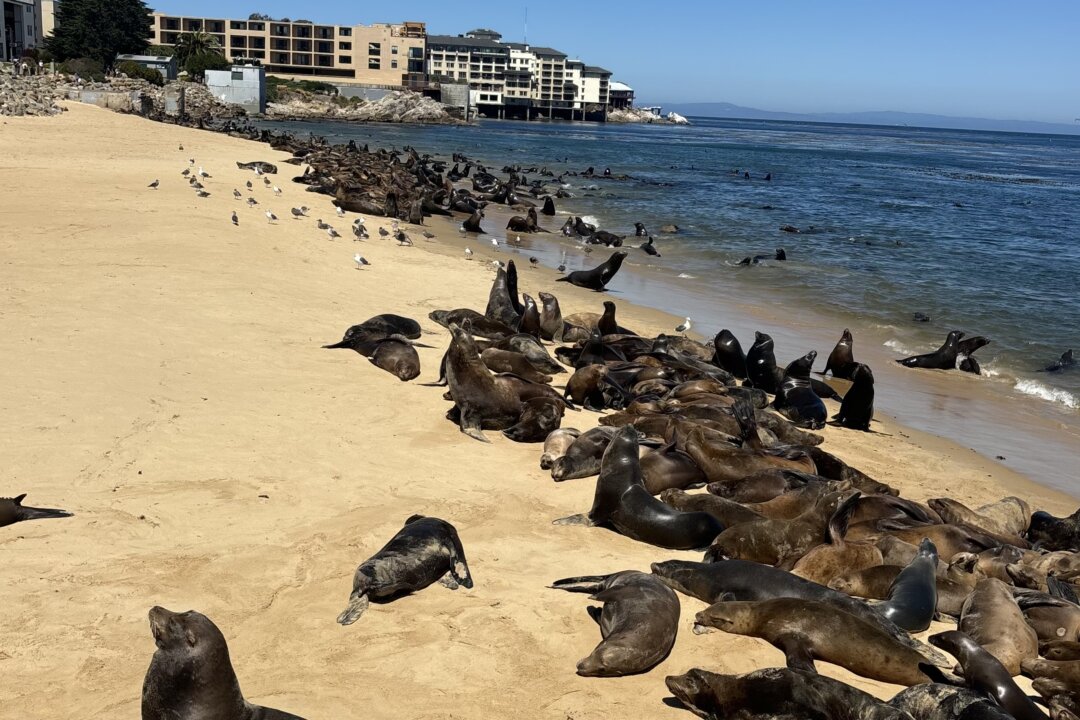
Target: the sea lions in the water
(796, 399)
(12, 511)
(1065, 362)
(805, 631)
(638, 622)
(776, 694)
(649, 248)
(944, 358)
(841, 361)
(857, 407)
(728, 354)
(912, 598)
(549, 206)
(597, 278)
(761, 364)
(191, 676)
(424, 551)
(992, 619)
(984, 673)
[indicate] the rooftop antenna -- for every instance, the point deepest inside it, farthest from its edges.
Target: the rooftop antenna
(526, 37)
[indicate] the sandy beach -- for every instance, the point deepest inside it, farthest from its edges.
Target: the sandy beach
(164, 381)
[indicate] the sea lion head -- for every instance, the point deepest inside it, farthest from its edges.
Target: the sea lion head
(800, 368)
(694, 689)
(182, 631)
(953, 642)
(862, 373)
(927, 549)
(733, 617)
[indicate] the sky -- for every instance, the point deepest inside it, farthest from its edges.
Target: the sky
(974, 58)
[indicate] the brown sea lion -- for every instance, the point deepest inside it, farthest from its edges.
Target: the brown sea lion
(1060, 650)
(824, 562)
(584, 456)
(794, 503)
(873, 583)
(397, 357)
(482, 400)
(551, 321)
(504, 361)
(841, 361)
(763, 486)
(729, 513)
(666, 467)
(998, 525)
(556, 444)
(540, 416)
(587, 385)
(1051, 618)
(992, 618)
(530, 319)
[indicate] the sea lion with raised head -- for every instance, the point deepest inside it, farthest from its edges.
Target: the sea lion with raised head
(482, 401)
(912, 599)
(796, 399)
(472, 224)
(597, 278)
(500, 305)
(191, 676)
(728, 354)
(874, 583)
(944, 358)
(556, 444)
(984, 673)
(761, 367)
(992, 618)
(638, 622)
(551, 322)
(530, 319)
(857, 407)
(805, 631)
(549, 206)
(841, 360)
(422, 552)
(12, 511)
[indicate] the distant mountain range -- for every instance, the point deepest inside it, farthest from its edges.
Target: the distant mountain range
(884, 117)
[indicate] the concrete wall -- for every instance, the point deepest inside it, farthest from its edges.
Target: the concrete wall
(456, 96)
(243, 85)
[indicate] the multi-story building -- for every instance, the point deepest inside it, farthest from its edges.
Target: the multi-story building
(18, 28)
(476, 58)
(386, 55)
(621, 96)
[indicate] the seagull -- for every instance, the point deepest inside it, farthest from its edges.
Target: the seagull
(196, 184)
(340, 212)
(236, 194)
(181, 147)
(203, 173)
(154, 185)
(202, 193)
(321, 225)
(271, 216)
(186, 172)
(561, 268)
(684, 327)
(252, 202)
(297, 213)
(249, 185)
(468, 254)
(495, 244)
(266, 181)
(461, 229)
(359, 221)
(332, 233)
(383, 232)
(534, 261)
(402, 238)
(360, 232)
(258, 171)
(277, 190)
(191, 161)
(517, 239)
(235, 220)
(428, 234)
(359, 260)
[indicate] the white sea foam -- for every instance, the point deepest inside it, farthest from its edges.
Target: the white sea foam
(687, 276)
(591, 219)
(898, 347)
(1039, 390)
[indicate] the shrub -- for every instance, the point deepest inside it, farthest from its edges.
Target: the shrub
(135, 70)
(197, 65)
(85, 68)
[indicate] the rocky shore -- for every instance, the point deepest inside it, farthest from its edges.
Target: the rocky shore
(32, 95)
(395, 107)
(644, 117)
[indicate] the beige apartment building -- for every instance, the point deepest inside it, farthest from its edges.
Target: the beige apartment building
(382, 55)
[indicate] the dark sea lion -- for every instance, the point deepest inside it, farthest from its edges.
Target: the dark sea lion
(397, 357)
(540, 416)
(761, 367)
(934, 701)
(549, 206)
(556, 444)
(824, 562)
(530, 319)
(472, 224)
(874, 583)
(587, 386)
(667, 467)
(992, 618)
(597, 278)
(796, 400)
(191, 676)
(505, 361)
(533, 350)
(479, 325)
(805, 631)
(500, 306)
(639, 230)
(1054, 533)
(363, 338)
(12, 511)
(1007, 517)
(744, 580)
(638, 622)
(551, 322)
(912, 599)
(970, 365)
(983, 673)
(841, 360)
(969, 345)
(481, 399)
(857, 407)
(584, 456)
(649, 248)
(776, 694)
(728, 354)
(944, 358)
(607, 324)
(424, 551)
(264, 167)
(1065, 362)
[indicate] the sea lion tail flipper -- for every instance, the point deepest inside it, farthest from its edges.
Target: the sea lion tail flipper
(582, 584)
(743, 413)
(459, 567)
(357, 605)
(838, 523)
(336, 346)
(797, 652)
(1060, 589)
(579, 519)
(33, 513)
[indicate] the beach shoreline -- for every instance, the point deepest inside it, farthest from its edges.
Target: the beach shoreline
(167, 385)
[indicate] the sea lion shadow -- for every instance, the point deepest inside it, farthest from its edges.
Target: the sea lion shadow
(836, 424)
(674, 702)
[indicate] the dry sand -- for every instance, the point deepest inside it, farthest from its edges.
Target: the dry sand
(163, 380)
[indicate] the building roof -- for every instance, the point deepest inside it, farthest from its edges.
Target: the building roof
(596, 69)
(163, 59)
(550, 52)
(617, 86)
(463, 41)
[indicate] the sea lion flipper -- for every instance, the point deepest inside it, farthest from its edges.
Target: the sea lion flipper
(459, 567)
(449, 582)
(797, 651)
(594, 613)
(357, 605)
(579, 519)
(589, 584)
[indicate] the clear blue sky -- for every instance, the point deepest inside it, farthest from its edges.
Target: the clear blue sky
(980, 58)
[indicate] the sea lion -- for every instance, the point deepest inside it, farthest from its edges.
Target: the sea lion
(668, 467)
(597, 278)
(875, 582)
(530, 319)
(478, 325)
(761, 367)
(969, 345)
(500, 305)
(728, 512)
(472, 224)
(1054, 533)
(649, 248)
(934, 701)
(728, 354)
(1060, 650)
(983, 673)
(992, 618)
(556, 444)
(540, 416)
(397, 357)
(191, 676)
(638, 623)
(1052, 618)
(12, 511)
(551, 322)
(857, 407)
(482, 400)
(261, 166)
(533, 350)
(912, 599)
(588, 387)
(762, 486)
(363, 338)
(505, 361)
(584, 456)
(549, 206)
(1065, 362)
(607, 324)
(824, 562)
(805, 631)
(796, 400)
(944, 358)
(970, 365)
(1008, 517)
(841, 361)
(425, 550)
(777, 693)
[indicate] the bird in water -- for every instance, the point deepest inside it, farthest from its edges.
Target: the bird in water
(461, 229)
(495, 244)
(517, 239)
(468, 253)
(588, 250)
(235, 220)
(154, 185)
(360, 260)
(684, 327)
(332, 233)
(271, 216)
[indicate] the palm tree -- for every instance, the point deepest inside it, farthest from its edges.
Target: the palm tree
(193, 44)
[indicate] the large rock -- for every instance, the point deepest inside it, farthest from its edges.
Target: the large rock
(394, 107)
(28, 95)
(637, 115)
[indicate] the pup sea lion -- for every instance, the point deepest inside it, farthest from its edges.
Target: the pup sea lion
(857, 407)
(584, 456)
(261, 166)
(841, 360)
(796, 399)
(776, 693)
(482, 400)
(540, 416)
(761, 367)
(12, 511)
(806, 631)
(984, 673)
(191, 676)
(426, 549)
(913, 594)
(597, 278)
(728, 354)
(556, 444)
(638, 623)
(992, 619)
(944, 358)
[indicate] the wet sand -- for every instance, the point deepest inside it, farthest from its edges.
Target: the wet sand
(164, 382)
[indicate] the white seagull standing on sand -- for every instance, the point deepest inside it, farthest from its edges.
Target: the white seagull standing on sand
(271, 216)
(203, 173)
(684, 327)
(359, 260)
(468, 254)
(277, 190)
(340, 212)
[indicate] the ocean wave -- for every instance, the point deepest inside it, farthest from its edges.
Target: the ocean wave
(898, 347)
(590, 219)
(687, 276)
(1045, 392)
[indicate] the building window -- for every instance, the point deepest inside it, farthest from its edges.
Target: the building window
(345, 32)
(345, 59)
(256, 26)
(237, 25)
(374, 64)
(374, 48)
(393, 64)
(237, 75)
(416, 52)
(344, 46)
(393, 49)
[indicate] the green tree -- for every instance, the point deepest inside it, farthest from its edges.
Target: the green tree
(197, 52)
(197, 65)
(99, 29)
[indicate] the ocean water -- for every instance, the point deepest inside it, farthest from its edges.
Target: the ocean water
(978, 230)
